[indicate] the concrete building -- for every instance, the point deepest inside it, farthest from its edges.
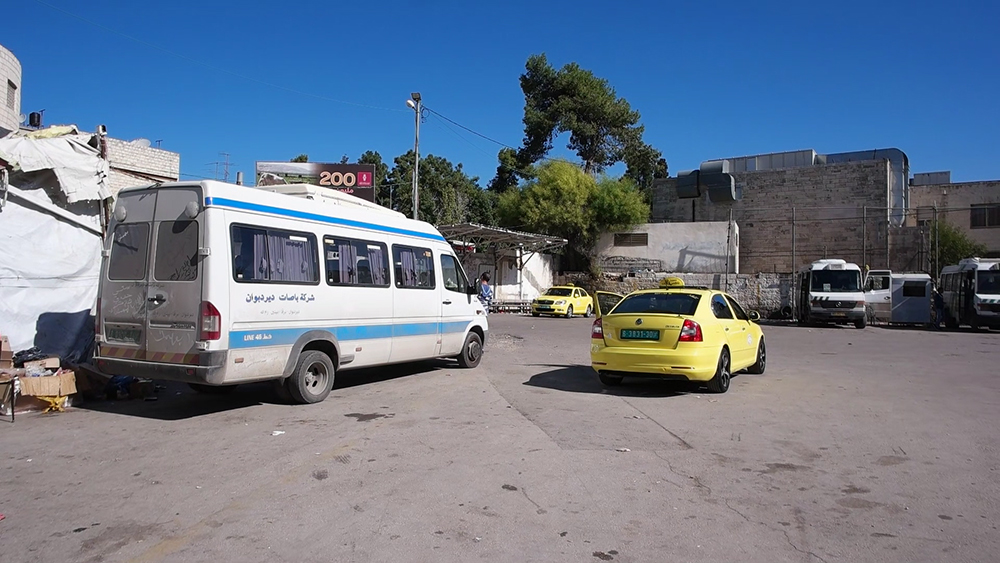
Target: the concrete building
(709, 247)
(793, 208)
(10, 86)
(972, 207)
(134, 163)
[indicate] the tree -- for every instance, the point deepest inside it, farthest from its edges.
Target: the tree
(301, 158)
(566, 201)
(603, 128)
(643, 165)
(952, 245)
(381, 178)
(345, 159)
(447, 194)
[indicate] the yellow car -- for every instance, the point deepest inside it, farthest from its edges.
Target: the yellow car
(563, 300)
(675, 333)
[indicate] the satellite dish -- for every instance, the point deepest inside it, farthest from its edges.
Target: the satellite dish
(23, 118)
(141, 142)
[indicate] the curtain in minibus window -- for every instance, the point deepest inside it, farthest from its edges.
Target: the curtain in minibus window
(348, 261)
(291, 258)
(376, 261)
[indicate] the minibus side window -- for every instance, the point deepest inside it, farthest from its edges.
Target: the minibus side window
(266, 255)
(414, 267)
(355, 262)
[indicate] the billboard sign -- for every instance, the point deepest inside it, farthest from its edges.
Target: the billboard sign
(355, 179)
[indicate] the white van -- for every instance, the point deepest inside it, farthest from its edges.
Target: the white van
(829, 291)
(971, 291)
(216, 284)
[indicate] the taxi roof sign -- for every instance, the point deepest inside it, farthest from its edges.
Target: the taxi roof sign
(672, 281)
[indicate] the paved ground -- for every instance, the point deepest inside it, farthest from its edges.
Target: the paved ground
(855, 446)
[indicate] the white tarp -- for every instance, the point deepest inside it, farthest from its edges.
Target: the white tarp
(50, 243)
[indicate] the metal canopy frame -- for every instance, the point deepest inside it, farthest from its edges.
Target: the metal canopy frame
(499, 238)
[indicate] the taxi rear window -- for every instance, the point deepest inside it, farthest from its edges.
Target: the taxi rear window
(666, 303)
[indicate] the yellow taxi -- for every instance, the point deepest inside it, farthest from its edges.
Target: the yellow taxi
(676, 332)
(563, 300)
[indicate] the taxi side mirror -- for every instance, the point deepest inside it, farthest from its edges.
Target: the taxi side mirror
(754, 316)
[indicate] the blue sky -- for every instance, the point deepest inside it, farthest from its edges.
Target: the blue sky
(268, 80)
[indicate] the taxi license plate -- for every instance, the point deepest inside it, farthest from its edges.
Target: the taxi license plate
(840, 314)
(632, 334)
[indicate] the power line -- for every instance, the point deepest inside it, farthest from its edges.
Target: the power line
(476, 133)
(209, 66)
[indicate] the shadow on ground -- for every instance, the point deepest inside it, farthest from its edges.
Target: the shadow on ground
(177, 401)
(583, 379)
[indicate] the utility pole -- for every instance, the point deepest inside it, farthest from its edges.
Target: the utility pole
(414, 104)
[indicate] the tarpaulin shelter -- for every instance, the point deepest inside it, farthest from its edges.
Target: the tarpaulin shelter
(53, 189)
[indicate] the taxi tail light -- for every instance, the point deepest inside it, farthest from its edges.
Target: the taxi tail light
(211, 322)
(690, 331)
(597, 331)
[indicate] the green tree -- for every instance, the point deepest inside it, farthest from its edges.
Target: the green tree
(644, 164)
(301, 158)
(380, 181)
(447, 194)
(603, 128)
(564, 200)
(952, 245)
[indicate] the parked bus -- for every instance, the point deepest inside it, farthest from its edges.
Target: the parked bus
(216, 284)
(829, 291)
(971, 291)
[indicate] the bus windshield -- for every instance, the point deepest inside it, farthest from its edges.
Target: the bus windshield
(989, 283)
(836, 280)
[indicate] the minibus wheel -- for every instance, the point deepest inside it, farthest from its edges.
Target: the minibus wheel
(472, 351)
(312, 379)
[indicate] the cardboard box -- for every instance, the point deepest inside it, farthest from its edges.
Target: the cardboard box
(51, 362)
(6, 354)
(49, 385)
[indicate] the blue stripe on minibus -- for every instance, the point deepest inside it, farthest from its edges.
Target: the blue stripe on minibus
(288, 336)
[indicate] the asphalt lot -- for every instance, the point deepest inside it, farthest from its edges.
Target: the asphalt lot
(873, 445)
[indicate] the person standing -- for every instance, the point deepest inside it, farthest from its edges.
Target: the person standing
(485, 292)
(938, 309)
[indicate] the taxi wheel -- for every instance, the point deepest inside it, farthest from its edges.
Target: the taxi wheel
(758, 368)
(587, 314)
(720, 383)
(569, 312)
(610, 380)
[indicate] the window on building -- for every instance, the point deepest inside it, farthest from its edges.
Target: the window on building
(984, 216)
(11, 95)
(631, 239)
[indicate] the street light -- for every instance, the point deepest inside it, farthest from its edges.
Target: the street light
(414, 104)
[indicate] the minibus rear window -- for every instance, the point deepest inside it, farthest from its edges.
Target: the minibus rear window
(176, 251)
(129, 248)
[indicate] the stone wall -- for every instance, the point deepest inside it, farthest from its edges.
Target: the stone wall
(133, 164)
(765, 293)
(954, 203)
(791, 217)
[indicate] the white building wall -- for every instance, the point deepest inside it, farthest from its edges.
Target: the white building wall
(508, 283)
(675, 247)
(10, 92)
